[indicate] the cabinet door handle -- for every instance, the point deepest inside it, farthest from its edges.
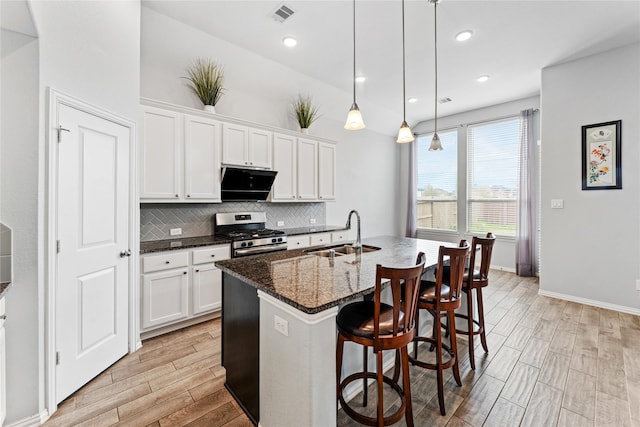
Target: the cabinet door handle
(167, 262)
(184, 272)
(213, 256)
(197, 271)
(188, 195)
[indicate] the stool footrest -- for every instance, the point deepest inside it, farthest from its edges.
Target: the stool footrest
(476, 331)
(434, 366)
(388, 420)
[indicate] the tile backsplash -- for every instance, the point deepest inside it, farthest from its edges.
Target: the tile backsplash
(196, 219)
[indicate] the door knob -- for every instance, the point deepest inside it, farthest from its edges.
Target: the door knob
(125, 253)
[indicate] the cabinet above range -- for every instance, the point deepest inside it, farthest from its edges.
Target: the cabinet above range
(182, 151)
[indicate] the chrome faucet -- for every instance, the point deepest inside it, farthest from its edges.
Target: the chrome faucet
(358, 244)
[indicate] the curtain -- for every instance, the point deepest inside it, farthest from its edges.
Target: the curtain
(528, 200)
(411, 192)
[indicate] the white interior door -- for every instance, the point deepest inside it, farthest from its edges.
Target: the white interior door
(92, 284)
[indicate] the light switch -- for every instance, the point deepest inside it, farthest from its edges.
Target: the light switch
(557, 204)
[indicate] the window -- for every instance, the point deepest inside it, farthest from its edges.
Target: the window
(472, 185)
(493, 153)
(437, 182)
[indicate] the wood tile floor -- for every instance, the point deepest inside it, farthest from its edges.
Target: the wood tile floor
(551, 363)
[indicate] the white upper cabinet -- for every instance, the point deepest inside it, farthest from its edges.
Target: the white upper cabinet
(326, 171)
(260, 143)
(307, 169)
(180, 157)
(245, 146)
(285, 163)
(201, 158)
(161, 147)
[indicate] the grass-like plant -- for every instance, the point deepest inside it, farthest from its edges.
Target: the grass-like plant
(206, 79)
(306, 113)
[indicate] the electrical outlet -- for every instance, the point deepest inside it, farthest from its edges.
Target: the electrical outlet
(281, 325)
(175, 231)
(557, 204)
(312, 220)
(280, 224)
(638, 285)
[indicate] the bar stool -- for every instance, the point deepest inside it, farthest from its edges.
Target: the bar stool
(441, 299)
(383, 327)
(476, 279)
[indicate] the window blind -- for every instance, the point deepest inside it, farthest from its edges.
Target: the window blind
(492, 191)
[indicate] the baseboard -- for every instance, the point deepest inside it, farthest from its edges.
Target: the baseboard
(500, 268)
(32, 421)
(591, 302)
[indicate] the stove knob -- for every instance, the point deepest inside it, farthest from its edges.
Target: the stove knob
(250, 244)
(279, 239)
(243, 244)
(274, 240)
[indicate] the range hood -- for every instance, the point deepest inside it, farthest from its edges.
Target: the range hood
(246, 184)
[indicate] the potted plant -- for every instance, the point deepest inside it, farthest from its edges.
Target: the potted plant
(206, 79)
(306, 113)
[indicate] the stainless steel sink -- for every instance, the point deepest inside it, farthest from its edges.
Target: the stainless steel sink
(340, 250)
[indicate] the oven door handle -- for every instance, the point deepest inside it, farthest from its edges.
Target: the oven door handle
(260, 249)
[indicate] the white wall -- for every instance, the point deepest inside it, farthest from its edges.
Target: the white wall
(261, 91)
(89, 50)
(591, 248)
(504, 251)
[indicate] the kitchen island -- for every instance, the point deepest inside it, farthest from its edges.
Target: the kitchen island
(278, 326)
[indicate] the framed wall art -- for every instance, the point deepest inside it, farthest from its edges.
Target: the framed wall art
(601, 156)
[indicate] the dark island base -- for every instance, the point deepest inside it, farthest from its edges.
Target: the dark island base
(241, 343)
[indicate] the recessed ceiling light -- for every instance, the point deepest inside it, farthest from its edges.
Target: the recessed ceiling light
(289, 41)
(360, 79)
(482, 79)
(412, 100)
(463, 36)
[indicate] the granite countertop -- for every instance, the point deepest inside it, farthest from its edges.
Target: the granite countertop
(312, 283)
(4, 287)
(194, 242)
(312, 230)
(175, 244)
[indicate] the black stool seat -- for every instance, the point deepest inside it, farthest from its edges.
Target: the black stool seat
(428, 290)
(357, 319)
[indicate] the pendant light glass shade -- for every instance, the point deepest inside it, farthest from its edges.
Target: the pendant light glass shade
(354, 118)
(404, 134)
(435, 145)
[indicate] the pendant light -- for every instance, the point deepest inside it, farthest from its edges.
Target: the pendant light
(435, 141)
(354, 118)
(404, 134)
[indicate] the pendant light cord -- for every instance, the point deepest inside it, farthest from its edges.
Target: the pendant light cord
(354, 52)
(404, 95)
(435, 45)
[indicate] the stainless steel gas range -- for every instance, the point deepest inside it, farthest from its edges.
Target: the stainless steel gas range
(248, 233)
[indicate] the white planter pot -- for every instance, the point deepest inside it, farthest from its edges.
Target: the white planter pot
(210, 108)
(304, 131)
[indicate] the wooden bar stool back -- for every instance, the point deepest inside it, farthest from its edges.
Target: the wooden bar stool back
(441, 299)
(383, 327)
(476, 279)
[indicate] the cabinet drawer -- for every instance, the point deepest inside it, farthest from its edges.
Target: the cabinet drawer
(320, 239)
(339, 236)
(211, 254)
(297, 242)
(165, 261)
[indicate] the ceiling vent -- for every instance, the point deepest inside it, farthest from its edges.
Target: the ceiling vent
(444, 100)
(282, 13)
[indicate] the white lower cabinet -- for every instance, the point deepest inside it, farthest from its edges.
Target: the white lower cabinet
(3, 366)
(339, 236)
(181, 285)
(165, 297)
(298, 242)
(320, 239)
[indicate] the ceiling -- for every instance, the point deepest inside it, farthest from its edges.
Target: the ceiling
(512, 42)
